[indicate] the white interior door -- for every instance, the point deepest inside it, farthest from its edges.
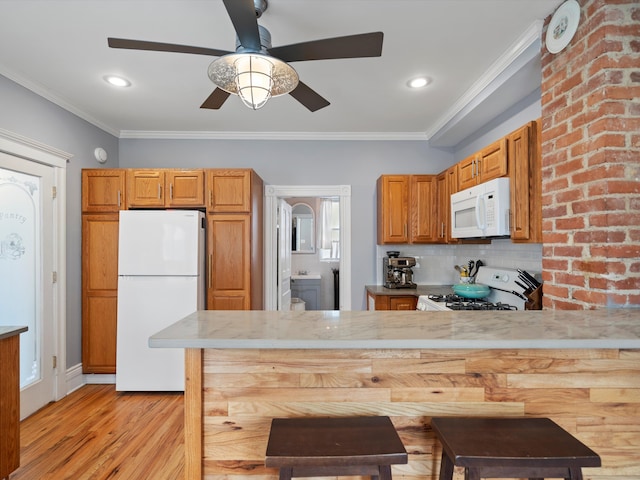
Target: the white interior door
(26, 273)
(284, 255)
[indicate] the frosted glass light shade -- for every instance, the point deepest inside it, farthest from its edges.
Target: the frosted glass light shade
(224, 73)
(253, 80)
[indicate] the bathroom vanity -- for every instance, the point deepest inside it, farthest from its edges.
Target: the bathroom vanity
(307, 288)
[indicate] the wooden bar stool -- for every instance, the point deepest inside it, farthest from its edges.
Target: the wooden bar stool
(534, 448)
(311, 447)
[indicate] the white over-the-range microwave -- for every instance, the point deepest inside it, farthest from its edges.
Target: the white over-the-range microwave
(482, 210)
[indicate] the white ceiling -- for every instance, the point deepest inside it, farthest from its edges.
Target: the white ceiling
(477, 52)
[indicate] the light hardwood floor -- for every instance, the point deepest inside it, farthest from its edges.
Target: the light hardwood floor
(97, 433)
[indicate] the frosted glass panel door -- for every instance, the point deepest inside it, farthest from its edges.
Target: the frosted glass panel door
(25, 297)
(19, 259)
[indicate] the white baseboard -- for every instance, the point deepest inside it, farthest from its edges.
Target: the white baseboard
(76, 379)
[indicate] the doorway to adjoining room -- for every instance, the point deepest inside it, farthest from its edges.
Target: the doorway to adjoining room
(318, 260)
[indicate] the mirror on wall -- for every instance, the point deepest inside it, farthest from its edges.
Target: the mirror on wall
(303, 229)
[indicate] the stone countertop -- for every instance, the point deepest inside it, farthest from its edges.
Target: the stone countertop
(7, 331)
(606, 328)
(419, 290)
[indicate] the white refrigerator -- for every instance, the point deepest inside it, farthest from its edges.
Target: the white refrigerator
(160, 280)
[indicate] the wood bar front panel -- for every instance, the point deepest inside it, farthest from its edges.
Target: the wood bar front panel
(594, 394)
(9, 405)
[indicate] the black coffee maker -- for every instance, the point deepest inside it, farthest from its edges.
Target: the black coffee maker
(397, 270)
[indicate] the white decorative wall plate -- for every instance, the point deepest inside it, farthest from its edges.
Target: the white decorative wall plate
(563, 26)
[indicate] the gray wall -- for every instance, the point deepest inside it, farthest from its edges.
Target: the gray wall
(355, 163)
(29, 115)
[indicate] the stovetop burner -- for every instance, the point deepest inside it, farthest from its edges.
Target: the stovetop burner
(456, 302)
(478, 305)
(447, 298)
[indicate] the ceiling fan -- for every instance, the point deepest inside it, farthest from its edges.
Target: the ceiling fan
(256, 71)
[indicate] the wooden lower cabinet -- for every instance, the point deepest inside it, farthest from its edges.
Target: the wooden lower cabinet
(229, 261)
(9, 405)
(391, 302)
(99, 292)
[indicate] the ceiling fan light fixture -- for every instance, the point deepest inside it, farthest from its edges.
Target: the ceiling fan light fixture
(254, 80)
(254, 77)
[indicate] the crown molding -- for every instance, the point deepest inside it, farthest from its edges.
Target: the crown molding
(518, 48)
(353, 136)
(48, 95)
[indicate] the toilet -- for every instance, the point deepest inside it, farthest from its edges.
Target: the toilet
(297, 304)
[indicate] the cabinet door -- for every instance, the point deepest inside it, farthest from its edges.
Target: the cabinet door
(403, 303)
(229, 191)
(393, 209)
(229, 262)
(377, 302)
(468, 172)
(443, 222)
(493, 161)
(103, 190)
(525, 184)
(185, 188)
(145, 188)
(423, 208)
(99, 292)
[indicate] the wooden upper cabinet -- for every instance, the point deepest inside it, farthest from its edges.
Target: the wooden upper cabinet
(145, 188)
(393, 209)
(467, 172)
(487, 164)
(525, 183)
(229, 191)
(447, 183)
(185, 188)
(103, 190)
(406, 209)
(164, 188)
(422, 208)
(493, 161)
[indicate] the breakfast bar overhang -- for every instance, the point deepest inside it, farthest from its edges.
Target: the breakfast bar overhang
(243, 368)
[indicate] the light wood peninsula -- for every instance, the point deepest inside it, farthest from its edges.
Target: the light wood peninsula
(579, 368)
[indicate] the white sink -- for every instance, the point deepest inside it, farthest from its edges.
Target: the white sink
(308, 277)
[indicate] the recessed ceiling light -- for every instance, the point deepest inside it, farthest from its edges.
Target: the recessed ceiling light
(419, 82)
(117, 81)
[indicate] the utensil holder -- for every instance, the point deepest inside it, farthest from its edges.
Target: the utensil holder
(534, 300)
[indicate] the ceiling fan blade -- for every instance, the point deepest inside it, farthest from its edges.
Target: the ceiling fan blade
(163, 47)
(243, 17)
(308, 97)
(216, 99)
(351, 46)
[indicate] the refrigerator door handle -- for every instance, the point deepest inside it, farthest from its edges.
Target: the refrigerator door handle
(210, 269)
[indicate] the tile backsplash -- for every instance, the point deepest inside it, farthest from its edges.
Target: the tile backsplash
(435, 262)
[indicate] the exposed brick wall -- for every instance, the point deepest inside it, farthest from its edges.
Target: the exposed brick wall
(591, 161)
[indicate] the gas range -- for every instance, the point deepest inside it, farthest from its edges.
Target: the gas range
(505, 294)
(455, 302)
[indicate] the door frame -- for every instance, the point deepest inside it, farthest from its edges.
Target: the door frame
(31, 150)
(272, 194)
